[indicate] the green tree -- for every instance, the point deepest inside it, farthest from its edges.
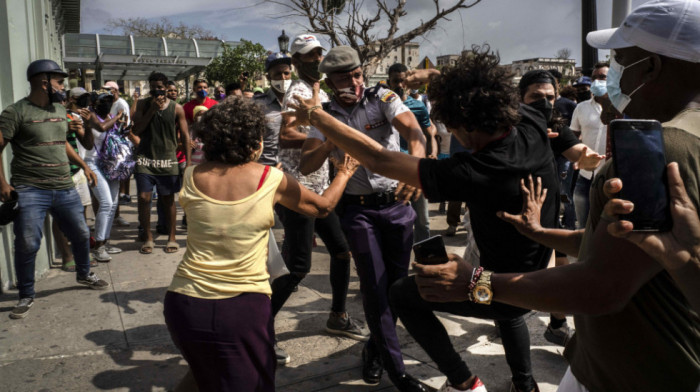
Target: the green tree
(245, 57)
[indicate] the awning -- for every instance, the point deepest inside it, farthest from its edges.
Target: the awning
(125, 57)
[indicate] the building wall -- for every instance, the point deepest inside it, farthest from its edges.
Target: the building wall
(28, 32)
(408, 54)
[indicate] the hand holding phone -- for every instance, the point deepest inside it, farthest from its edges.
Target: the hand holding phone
(431, 251)
(640, 162)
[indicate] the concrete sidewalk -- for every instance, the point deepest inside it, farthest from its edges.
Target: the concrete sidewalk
(77, 339)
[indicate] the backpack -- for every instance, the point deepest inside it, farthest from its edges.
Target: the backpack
(116, 157)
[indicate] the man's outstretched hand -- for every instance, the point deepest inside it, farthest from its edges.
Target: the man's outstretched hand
(527, 222)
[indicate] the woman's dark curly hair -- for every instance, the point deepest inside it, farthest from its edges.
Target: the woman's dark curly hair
(231, 130)
(475, 93)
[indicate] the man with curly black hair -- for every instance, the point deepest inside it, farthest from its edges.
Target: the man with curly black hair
(477, 102)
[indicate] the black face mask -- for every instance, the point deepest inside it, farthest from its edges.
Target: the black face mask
(310, 70)
(544, 107)
(583, 96)
(55, 96)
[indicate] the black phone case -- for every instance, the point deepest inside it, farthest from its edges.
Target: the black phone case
(640, 224)
(431, 251)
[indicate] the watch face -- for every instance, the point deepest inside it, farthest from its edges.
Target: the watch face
(482, 293)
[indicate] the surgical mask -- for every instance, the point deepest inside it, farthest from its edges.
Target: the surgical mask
(353, 94)
(202, 93)
(543, 106)
(619, 99)
(599, 88)
(583, 96)
(310, 70)
(281, 86)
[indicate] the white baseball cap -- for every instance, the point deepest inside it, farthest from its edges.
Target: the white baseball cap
(670, 28)
(304, 43)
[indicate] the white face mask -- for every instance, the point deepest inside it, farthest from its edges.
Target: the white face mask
(619, 99)
(281, 86)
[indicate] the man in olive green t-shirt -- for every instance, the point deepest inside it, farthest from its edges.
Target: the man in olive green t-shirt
(159, 123)
(36, 127)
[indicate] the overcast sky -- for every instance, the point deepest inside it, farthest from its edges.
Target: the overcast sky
(518, 29)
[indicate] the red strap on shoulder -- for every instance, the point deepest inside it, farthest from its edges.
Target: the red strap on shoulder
(262, 178)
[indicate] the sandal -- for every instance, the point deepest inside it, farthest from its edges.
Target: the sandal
(172, 247)
(147, 247)
(70, 266)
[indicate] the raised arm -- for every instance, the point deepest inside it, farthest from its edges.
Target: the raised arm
(372, 155)
(296, 197)
(527, 222)
(184, 134)
(314, 153)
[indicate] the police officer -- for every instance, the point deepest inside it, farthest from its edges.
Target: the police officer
(278, 69)
(377, 224)
(36, 127)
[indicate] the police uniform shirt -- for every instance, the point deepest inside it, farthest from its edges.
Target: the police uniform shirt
(372, 116)
(272, 107)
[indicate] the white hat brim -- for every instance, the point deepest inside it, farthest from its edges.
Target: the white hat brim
(608, 39)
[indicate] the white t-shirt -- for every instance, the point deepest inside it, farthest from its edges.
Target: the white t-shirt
(586, 119)
(445, 137)
(121, 104)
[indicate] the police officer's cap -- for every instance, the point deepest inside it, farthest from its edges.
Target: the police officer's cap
(340, 59)
(44, 66)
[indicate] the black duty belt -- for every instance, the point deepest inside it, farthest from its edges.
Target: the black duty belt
(371, 200)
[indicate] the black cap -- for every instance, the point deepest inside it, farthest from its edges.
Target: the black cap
(340, 59)
(44, 66)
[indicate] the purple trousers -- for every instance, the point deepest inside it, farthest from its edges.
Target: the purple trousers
(228, 343)
(380, 241)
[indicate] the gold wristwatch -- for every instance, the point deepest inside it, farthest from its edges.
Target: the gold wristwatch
(482, 292)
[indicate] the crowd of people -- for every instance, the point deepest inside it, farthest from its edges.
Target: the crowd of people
(356, 165)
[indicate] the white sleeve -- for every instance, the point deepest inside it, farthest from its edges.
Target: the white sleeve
(391, 104)
(575, 120)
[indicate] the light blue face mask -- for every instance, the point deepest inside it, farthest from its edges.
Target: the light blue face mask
(599, 88)
(619, 99)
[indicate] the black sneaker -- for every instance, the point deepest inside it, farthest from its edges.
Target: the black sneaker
(92, 281)
(372, 367)
(22, 308)
(560, 335)
(282, 357)
(406, 383)
(343, 324)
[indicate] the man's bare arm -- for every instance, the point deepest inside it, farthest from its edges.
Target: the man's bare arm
(184, 133)
(314, 154)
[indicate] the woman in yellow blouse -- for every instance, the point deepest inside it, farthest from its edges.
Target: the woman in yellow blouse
(217, 308)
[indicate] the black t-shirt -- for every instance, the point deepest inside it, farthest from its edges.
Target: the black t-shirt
(489, 181)
(564, 141)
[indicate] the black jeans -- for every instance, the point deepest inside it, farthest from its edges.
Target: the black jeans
(417, 315)
(297, 248)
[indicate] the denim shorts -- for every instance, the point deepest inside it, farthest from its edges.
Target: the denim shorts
(165, 185)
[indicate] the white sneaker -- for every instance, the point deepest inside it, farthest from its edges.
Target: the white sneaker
(112, 249)
(101, 254)
(120, 221)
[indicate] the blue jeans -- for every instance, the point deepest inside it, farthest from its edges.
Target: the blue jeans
(107, 194)
(421, 227)
(66, 208)
(581, 193)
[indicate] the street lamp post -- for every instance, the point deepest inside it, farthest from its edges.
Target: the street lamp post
(283, 41)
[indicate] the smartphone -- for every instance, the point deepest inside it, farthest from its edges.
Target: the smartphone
(137, 89)
(640, 162)
(430, 251)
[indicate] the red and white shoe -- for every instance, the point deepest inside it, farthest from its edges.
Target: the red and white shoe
(477, 386)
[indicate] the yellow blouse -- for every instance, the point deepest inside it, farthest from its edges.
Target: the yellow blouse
(226, 242)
